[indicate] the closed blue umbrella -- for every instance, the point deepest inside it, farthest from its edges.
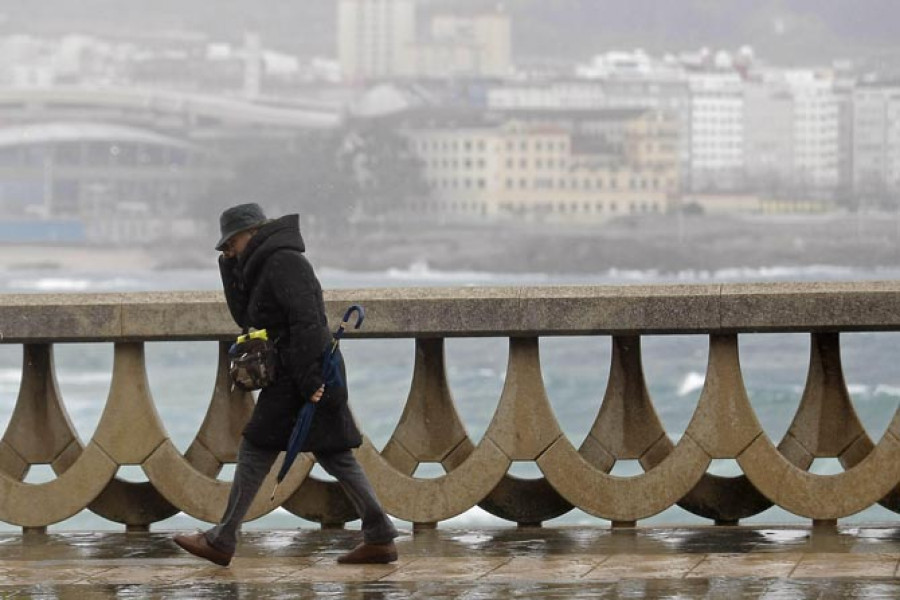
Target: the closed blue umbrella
(331, 375)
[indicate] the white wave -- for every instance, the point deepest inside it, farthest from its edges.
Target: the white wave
(692, 382)
(74, 284)
(51, 284)
(858, 389)
(886, 390)
(83, 378)
(475, 517)
(738, 274)
(785, 272)
(10, 376)
(633, 275)
(420, 271)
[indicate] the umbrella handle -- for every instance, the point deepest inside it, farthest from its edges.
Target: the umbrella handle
(274, 489)
(360, 316)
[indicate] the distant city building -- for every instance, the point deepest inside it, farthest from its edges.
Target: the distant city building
(768, 136)
(792, 132)
(124, 184)
(816, 129)
(876, 141)
(478, 45)
(376, 38)
(614, 80)
(717, 131)
(515, 168)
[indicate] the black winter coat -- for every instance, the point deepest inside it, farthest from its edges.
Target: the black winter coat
(272, 286)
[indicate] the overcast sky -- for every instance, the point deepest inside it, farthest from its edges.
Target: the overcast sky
(785, 30)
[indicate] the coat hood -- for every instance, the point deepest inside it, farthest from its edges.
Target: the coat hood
(279, 234)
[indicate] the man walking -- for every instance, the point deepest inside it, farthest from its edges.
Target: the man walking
(269, 284)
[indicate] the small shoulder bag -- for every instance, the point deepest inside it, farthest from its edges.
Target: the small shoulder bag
(252, 361)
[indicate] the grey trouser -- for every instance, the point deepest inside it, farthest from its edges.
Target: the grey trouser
(254, 463)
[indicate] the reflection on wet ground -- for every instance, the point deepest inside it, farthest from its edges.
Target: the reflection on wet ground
(696, 562)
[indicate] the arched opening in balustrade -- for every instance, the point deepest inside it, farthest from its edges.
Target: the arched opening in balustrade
(870, 362)
(10, 380)
(774, 367)
(476, 372)
(182, 377)
(674, 371)
(379, 372)
(576, 373)
(84, 374)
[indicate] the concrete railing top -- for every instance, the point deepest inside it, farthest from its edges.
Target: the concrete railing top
(475, 311)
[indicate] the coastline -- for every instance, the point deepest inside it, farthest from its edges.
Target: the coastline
(662, 244)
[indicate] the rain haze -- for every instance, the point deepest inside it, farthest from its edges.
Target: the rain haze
(467, 136)
(455, 143)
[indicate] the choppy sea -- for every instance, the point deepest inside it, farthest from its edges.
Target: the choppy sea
(575, 371)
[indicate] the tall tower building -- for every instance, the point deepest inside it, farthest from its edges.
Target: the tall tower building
(376, 38)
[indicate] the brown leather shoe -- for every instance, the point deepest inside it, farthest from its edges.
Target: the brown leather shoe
(197, 545)
(368, 554)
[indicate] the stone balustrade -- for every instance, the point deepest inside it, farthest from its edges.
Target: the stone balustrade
(523, 427)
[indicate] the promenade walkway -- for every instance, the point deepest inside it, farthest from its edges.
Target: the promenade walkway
(697, 562)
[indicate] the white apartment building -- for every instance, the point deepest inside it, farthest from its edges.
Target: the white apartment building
(479, 45)
(876, 140)
(376, 38)
(717, 131)
(816, 129)
(792, 132)
(768, 136)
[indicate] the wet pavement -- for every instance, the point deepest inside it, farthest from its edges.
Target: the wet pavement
(695, 562)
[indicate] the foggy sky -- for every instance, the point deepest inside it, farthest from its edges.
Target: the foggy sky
(782, 30)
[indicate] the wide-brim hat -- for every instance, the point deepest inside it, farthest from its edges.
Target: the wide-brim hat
(237, 219)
